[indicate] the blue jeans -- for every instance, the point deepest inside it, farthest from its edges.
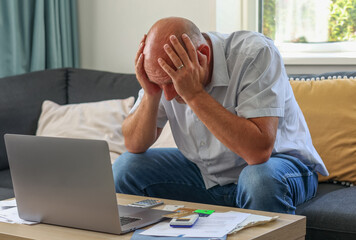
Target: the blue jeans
(278, 185)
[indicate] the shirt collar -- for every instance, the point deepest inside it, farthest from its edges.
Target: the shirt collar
(220, 76)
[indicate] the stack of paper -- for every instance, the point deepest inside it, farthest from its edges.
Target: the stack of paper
(9, 213)
(217, 225)
(138, 236)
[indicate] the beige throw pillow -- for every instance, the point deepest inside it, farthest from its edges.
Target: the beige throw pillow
(96, 120)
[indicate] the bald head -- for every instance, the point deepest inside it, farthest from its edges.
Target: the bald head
(158, 36)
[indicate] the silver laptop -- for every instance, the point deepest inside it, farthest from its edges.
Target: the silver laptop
(69, 182)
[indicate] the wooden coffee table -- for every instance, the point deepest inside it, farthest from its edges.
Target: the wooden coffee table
(285, 227)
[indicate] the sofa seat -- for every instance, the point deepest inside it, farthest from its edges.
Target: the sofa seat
(6, 188)
(331, 213)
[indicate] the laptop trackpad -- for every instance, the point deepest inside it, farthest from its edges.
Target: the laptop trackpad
(134, 211)
(146, 216)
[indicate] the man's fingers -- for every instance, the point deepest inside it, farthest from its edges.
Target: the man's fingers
(190, 47)
(139, 52)
(149, 87)
(182, 54)
(144, 38)
(139, 61)
(173, 56)
(140, 48)
(140, 72)
(167, 68)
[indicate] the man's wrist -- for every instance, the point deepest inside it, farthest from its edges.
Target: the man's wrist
(197, 98)
(152, 99)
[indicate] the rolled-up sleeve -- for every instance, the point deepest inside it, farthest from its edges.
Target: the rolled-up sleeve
(161, 116)
(262, 88)
(138, 101)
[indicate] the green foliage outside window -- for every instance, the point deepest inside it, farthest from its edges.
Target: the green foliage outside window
(342, 20)
(269, 23)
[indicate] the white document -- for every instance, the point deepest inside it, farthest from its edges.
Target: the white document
(253, 220)
(9, 213)
(7, 204)
(216, 225)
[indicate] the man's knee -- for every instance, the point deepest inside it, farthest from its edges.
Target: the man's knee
(261, 187)
(125, 163)
(258, 179)
(126, 170)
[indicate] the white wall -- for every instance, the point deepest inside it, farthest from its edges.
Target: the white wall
(110, 30)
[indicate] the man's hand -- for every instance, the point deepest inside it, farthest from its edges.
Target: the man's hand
(192, 68)
(149, 87)
(252, 139)
(139, 128)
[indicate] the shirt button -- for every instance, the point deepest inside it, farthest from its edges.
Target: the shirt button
(202, 143)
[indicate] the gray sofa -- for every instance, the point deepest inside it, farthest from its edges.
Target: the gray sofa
(21, 99)
(330, 215)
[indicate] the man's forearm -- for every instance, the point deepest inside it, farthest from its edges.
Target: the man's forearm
(140, 128)
(243, 136)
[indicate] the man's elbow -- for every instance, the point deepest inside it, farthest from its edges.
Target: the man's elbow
(135, 148)
(259, 159)
(259, 156)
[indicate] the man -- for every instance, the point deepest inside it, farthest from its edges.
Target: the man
(242, 139)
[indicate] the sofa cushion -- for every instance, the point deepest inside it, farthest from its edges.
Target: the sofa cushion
(6, 193)
(165, 140)
(331, 214)
(329, 108)
(6, 188)
(91, 86)
(96, 120)
(5, 179)
(21, 99)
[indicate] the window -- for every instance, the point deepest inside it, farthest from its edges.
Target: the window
(310, 25)
(306, 32)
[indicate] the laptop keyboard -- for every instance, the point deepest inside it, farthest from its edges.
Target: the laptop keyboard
(127, 220)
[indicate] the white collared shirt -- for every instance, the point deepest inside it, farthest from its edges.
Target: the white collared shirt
(249, 80)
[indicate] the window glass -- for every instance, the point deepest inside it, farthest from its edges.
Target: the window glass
(309, 21)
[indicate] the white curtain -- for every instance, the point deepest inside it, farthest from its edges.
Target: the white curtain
(302, 19)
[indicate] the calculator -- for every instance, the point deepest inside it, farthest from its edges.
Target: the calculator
(147, 203)
(187, 221)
